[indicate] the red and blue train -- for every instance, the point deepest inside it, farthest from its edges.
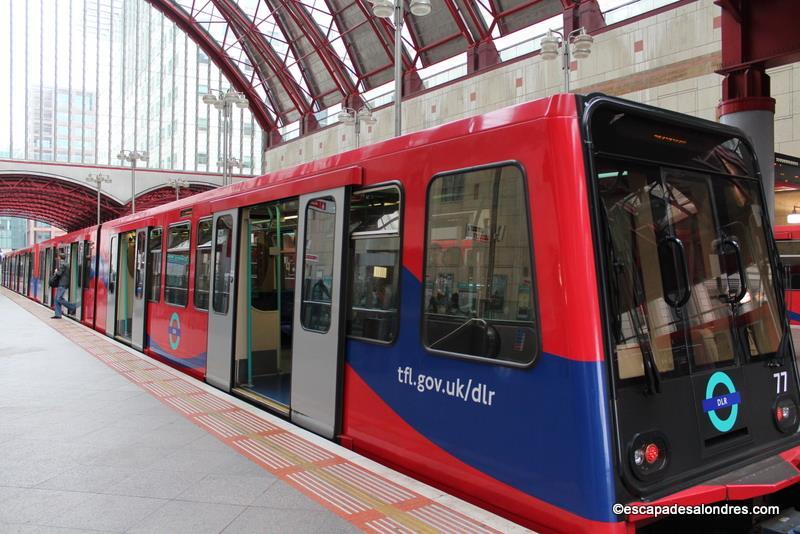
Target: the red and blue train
(547, 310)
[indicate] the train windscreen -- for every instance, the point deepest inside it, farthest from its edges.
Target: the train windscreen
(703, 368)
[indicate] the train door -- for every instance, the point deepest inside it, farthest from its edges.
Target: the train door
(111, 285)
(75, 264)
(28, 273)
(48, 272)
(318, 351)
(263, 355)
(139, 300)
(125, 286)
(221, 315)
(42, 291)
(89, 289)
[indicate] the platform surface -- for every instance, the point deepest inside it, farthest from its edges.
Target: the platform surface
(97, 438)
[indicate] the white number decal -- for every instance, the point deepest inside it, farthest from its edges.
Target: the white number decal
(778, 382)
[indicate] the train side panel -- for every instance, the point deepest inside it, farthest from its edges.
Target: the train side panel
(178, 334)
(541, 449)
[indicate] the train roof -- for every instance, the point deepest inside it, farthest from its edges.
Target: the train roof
(557, 105)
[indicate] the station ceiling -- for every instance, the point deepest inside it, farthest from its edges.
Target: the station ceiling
(295, 58)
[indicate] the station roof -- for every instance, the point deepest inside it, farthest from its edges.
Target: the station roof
(294, 59)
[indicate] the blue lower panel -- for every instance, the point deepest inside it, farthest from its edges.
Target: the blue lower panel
(196, 362)
(543, 430)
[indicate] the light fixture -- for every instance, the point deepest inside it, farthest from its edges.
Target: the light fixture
(132, 156)
(582, 45)
(577, 39)
(209, 99)
(549, 45)
(383, 8)
(365, 116)
(356, 118)
(420, 8)
(345, 117)
(794, 217)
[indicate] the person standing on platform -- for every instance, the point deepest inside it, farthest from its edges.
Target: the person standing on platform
(62, 271)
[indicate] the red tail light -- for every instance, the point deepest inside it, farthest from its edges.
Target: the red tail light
(651, 453)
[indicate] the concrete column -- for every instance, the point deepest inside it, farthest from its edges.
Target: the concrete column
(747, 105)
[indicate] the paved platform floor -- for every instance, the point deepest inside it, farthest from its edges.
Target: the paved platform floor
(97, 438)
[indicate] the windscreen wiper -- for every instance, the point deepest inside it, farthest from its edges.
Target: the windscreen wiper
(652, 374)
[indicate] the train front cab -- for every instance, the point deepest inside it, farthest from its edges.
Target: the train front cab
(702, 371)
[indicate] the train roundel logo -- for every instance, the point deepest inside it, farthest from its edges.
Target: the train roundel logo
(730, 398)
(174, 331)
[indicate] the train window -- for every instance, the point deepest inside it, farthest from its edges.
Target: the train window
(176, 288)
(315, 311)
(223, 277)
(375, 264)
(478, 280)
(202, 269)
(790, 257)
(139, 274)
(154, 265)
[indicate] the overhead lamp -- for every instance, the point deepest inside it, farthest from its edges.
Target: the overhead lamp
(794, 217)
(231, 97)
(420, 8)
(345, 117)
(365, 116)
(242, 103)
(209, 99)
(582, 45)
(549, 46)
(383, 8)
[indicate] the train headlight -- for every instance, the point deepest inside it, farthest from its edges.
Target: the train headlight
(784, 412)
(648, 454)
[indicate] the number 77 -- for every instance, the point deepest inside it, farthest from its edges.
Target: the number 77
(778, 382)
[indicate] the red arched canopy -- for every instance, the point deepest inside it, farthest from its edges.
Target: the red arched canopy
(61, 203)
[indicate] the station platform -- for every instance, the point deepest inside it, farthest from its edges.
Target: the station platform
(95, 437)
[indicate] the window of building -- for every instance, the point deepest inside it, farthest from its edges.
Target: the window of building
(478, 279)
(375, 264)
(202, 270)
(38, 237)
(315, 310)
(154, 265)
(202, 57)
(176, 288)
(202, 158)
(202, 89)
(202, 123)
(247, 129)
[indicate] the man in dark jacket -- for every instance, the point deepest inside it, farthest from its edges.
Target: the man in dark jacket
(62, 271)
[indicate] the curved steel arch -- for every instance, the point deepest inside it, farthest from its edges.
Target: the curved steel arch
(452, 27)
(220, 58)
(63, 204)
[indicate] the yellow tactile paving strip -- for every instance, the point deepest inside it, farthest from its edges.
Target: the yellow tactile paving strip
(363, 498)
